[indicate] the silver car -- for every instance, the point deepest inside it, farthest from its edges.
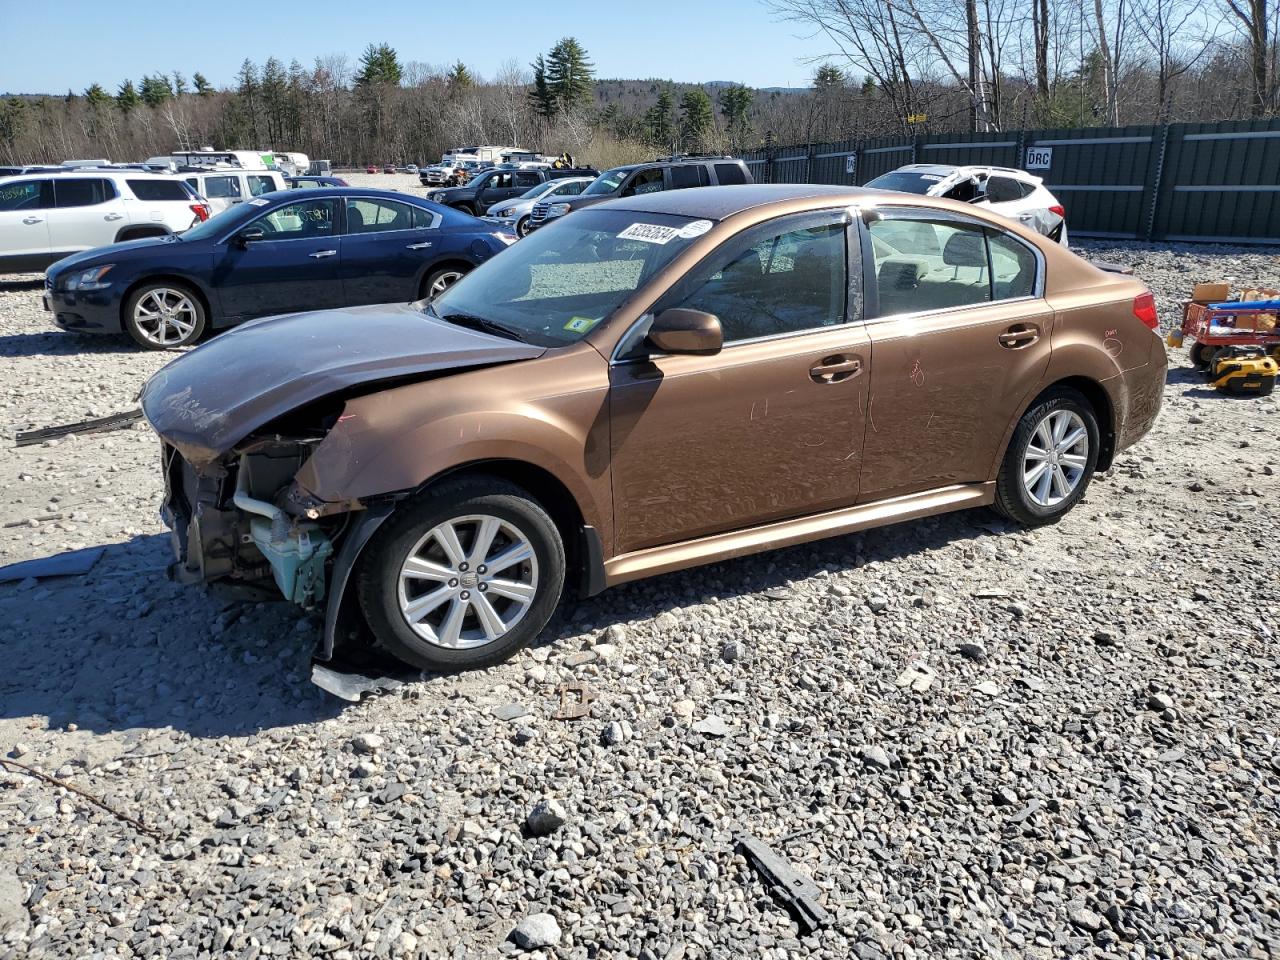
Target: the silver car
(515, 213)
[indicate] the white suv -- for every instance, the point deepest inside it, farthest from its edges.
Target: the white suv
(226, 188)
(1014, 193)
(45, 217)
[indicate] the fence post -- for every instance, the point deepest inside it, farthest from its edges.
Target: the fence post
(857, 160)
(1155, 182)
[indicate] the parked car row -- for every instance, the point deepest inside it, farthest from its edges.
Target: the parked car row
(496, 185)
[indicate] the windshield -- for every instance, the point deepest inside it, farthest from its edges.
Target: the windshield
(907, 182)
(559, 283)
(534, 192)
(607, 182)
(224, 223)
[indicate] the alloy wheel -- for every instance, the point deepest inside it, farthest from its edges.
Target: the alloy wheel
(165, 317)
(468, 582)
(1056, 457)
(443, 282)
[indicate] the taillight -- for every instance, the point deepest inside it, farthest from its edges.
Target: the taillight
(1144, 308)
(1059, 209)
(201, 210)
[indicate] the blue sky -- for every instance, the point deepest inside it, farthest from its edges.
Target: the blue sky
(685, 40)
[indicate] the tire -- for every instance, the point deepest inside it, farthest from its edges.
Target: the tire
(164, 315)
(467, 208)
(455, 631)
(440, 280)
(522, 227)
(1022, 493)
(1201, 354)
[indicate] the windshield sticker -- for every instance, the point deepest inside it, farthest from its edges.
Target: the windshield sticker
(695, 229)
(259, 202)
(931, 176)
(649, 233)
(582, 324)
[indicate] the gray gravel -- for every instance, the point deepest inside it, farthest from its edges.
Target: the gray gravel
(978, 741)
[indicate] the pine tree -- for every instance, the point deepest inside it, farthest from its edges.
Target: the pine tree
(544, 103)
(203, 87)
(127, 98)
(657, 121)
(179, 83)
(695, 118)
(459, 77)
(829, 79)
(735, 101)
(96, 96)
(569, 74)
(155, 90)
(379, 67)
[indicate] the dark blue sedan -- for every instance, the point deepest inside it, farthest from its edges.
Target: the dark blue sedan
(278, 253)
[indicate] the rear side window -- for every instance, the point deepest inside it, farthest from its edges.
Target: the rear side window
(259, 184)
(222, 188)
(1005, 189)
(1013, 267)
(527, 180)
(82, 193)
(423, 219)
(366, 215)
(23, 195)
(689, 175)
(159, 189)
(730, 173)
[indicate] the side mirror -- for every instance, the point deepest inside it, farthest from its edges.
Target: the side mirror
(678, 330)
(251, 235)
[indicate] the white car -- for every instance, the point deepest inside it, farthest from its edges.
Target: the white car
(228, 187)
(1014, 193)
(45, 217)
(515, 213)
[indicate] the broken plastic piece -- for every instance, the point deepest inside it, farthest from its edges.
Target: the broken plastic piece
(74, 563)
(795, 892)
(113, 422)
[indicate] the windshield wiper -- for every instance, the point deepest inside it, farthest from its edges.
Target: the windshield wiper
(483, 324)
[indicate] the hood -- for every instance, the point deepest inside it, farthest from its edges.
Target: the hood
(210, 399)
(111, 252)
(510, 208)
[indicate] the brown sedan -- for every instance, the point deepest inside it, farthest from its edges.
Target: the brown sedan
(650, 384)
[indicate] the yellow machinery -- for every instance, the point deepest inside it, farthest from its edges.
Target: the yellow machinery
(1242, 370)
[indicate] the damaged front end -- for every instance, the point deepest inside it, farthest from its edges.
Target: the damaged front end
(241, 518)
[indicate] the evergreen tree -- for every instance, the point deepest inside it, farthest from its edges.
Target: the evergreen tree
(657, 121)
(735, 101)
(155, 90)
(96, 96)
(459, 77)
(203, 87)
(544, 103)
(246, 102)
(179, 83)
(127, 98)
(379, 67)
(695, 118)
(569, 74)
(829, 79)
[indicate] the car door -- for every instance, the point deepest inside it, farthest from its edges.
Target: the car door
(644, 181)
(960, 333)
(498, 187)
(87, 212)
(385, 249)
(771, 427)
(294, 265)
(24, 223)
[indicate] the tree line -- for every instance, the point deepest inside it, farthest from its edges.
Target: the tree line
(882, 67)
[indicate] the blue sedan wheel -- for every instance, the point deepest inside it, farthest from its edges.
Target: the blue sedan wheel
(161, 316)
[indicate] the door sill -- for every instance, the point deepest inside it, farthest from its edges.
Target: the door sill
(785, 533)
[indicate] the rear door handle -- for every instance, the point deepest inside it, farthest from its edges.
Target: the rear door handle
(1019, 335)
(835, 368)
(419, 246)
(33, 219)
(322, 253)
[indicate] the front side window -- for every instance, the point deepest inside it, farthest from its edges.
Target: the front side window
(557, 285)
(499, 181)
(23, 195)
(366, 215)
(259, 184)
(222, 188)
(295, 221)
(779, 279)
(646, 181)
(82, 193)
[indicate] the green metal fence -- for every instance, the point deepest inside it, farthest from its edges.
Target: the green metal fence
(1184, 181)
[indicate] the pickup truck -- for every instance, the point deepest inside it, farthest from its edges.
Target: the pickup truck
(493, 186)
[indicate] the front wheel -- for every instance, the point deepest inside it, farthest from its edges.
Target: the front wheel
(462, 577)
(522, 227)
(1050, 460)
(1201, 354)
(161, 316)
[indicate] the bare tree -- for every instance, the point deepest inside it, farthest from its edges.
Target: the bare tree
(1253, 16)
(1109, 28)
(1175, 33)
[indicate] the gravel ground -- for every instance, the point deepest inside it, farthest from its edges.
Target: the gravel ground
(978, 741)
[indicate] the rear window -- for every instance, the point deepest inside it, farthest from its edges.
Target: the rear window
(82, 193)
(690, 175)
(159, 189)
(730, 173)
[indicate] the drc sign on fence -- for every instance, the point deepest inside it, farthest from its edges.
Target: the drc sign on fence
(1039, 158)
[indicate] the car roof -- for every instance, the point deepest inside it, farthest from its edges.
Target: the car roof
(96, 173)
(716, 203)
(947, 169)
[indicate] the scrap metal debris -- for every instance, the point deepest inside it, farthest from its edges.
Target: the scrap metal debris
(73, 563)
(353, 684)
(571, 709)
(793, 891)
(39, 775)
(114, 422)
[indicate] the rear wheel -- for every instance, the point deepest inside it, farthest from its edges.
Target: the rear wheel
(438, 281)
(161, 316)
(463, 577)
(1050, 460)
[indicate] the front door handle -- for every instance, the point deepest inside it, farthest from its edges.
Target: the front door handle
(322, 253)
(114, 216)
(835, 368)
(33, 219)
(419, 246)
(1019, 335)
